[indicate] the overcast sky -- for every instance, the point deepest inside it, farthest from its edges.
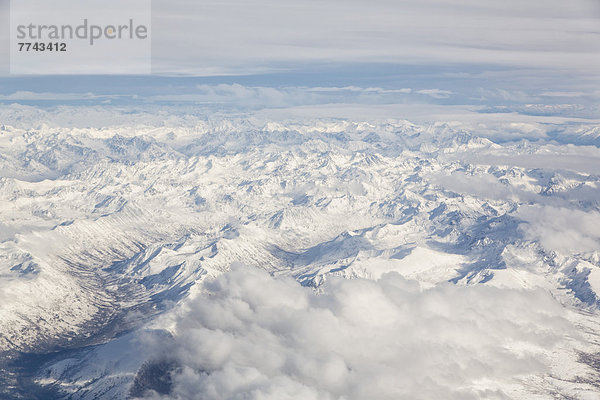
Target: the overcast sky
(445, 51)
(239, 37)
(216, 37)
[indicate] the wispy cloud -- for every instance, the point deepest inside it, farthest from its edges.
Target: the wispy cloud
(435, 93)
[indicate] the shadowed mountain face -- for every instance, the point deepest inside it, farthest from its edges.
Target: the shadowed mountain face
(111, 239)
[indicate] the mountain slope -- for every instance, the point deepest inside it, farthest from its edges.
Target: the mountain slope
(108, 236)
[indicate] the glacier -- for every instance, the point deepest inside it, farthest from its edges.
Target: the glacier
(256, 254)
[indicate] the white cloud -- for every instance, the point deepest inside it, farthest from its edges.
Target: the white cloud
(561, 229)
(483, 186)
(252, 336)
(261, 96)
(435, 93)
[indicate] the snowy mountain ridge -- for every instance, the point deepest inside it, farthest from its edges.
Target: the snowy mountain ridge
(111, 235)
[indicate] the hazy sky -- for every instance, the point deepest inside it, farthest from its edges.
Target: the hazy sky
(4, 32)
(447, 51)
(238, 37)
(215, 37)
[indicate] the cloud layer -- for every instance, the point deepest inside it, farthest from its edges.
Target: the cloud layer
(233, 36)
(253, 336)
(566, 230)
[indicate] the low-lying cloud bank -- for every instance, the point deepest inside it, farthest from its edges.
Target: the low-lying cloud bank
(566, 230)
(253, 336)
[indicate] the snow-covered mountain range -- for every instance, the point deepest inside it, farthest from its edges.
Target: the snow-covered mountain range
(254, 256)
